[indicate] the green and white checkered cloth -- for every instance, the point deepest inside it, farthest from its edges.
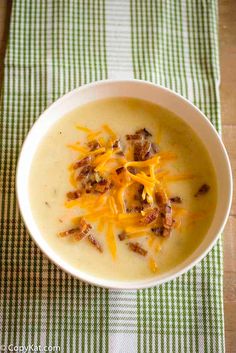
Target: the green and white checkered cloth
(55, 46)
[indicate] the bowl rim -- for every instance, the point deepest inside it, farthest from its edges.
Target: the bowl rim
(108, 283)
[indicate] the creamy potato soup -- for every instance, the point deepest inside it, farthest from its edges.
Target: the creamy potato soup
(122, 189)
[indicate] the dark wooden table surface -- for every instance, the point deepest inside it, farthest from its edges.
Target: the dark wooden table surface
(227, 27)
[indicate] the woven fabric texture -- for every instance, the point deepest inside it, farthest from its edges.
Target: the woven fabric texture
(55, 46)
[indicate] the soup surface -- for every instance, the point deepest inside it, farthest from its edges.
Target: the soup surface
(122, 189)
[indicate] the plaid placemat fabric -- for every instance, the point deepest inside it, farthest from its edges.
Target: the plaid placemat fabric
(55, 46)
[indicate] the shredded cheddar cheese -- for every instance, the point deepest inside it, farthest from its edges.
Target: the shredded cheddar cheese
(120, 198)
(137, 235)
(101, 160)
(109, 131)
(98, 151)
(142, 164)
(141, 179)
(153, 265)
(102, 141)
(72, 203)
(92, 135)
(109, 180)
(152, 171)
(129, 153)
(77, 148)
(112, 205)
(151, 240)
(84, 129)
(100, 225)
(128, 216)
(136, 229)
(73, 180)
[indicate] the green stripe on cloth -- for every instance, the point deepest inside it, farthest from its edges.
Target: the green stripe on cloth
(55, 46)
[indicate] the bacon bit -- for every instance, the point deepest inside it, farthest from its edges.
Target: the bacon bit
(141, 150)
(176, 199)
(69, 232)
(120, 153)
(102, 186)
(94, 145)
(202, 190)
(120, 170)
(94, 242)
(136, 209)
(166, 233)
(83, 230)
(168, 220)
(79, 232)
(158, 230)
(116, 144)
(155, 148)
(73, 195)
(138, 196)
(143, 132)
(88, 187)
(136, 247)
(161, 198)
(83, 162)
(122, 236)
(133, 137)
(168, 216)
(150, 216)
(132, 170)
(85, 171)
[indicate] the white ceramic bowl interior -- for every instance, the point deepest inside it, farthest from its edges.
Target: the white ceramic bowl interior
(152, 93)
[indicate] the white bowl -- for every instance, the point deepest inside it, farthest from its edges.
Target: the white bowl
(152, 93)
